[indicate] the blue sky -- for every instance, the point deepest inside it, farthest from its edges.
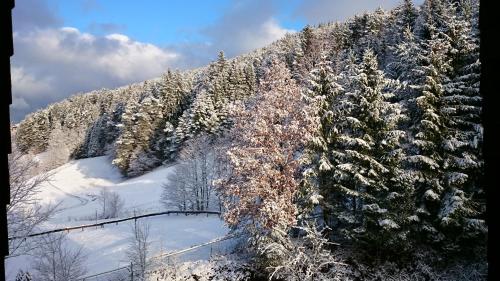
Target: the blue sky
(63, 47)
(159, 22)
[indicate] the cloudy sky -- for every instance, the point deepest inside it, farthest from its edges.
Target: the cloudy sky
(64, 47)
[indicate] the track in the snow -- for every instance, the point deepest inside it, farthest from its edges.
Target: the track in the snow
(83, 201)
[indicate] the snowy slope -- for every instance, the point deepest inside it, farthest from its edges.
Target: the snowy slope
(72, 186)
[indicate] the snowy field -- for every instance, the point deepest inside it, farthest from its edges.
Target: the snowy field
(74, 185)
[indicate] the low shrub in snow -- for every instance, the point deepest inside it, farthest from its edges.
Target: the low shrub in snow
(228, 268)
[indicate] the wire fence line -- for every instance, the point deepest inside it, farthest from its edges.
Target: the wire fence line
(126, 273)
(101, 224)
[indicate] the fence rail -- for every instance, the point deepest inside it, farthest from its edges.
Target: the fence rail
(126, 273)
(101, 224)
(175, 253)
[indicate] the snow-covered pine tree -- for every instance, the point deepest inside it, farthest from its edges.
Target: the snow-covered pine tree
(439, 74)
(373, 37)
(462, 208)
(182, 131)
(322, 99)
(33, 135)
(433, 17)
(205, 117)
(398, 32)
(166, 144)
(250, 80)
(406, 15)
(360, 169)
(236, 82)
(208, 111)
(146, 119)
(174, 98)
(290, 51)
(111, 128)
(365, 31)
(404, 67)
(307, 56)
(126, 142)
(429, 131)
(217, 80)
(219, 91)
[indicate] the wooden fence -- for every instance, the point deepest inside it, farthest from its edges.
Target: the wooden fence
(101, 224)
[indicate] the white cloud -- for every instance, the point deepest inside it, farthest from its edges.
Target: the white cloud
(244, 26)
(23, 82)
(69, 29)
(317, 11)
(118, 37)
(52, 63)
(29, 14)
(264, 34)
(19, 104)
(274, 30)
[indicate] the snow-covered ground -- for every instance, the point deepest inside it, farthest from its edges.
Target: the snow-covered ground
(73, 187)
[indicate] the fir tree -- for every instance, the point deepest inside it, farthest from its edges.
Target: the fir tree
(429, 131)
(359, 172)
(322, 98)
(126, 142)
(462, 207)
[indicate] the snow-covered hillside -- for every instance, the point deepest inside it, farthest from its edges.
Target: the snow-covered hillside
(74, 185)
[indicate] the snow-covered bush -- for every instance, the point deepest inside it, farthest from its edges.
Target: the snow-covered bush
(306, 257)
(425, 265)
(221, 268)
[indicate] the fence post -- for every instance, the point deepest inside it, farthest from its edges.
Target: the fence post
(131, 271)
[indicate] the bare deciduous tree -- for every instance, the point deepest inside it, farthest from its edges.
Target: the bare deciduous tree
(56, 261)
(138, 251)
(177, 191)
(25, 213)
(268, 137)
(190, 187)
(111, 204)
